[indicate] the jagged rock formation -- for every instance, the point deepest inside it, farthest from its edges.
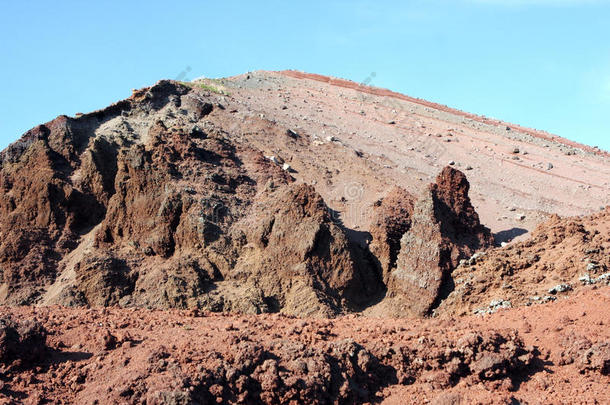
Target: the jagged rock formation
(300, 258)
(149, 203)
(89, 205)
(445, 228)
(165, 200)
(392, 220)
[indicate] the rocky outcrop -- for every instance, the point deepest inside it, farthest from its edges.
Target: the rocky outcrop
(151, 202)
(392, 219)
(299, 258)
(155, 201)
(444, 229)
(43, 208)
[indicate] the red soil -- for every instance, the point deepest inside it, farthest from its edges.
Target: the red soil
(112, 355)
(388, 93)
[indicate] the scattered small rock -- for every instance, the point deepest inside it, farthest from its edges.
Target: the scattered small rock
(592, 266)
(542, 300)
(586, 279)
(273, 159)
(494, 306)
(473, 259)
(109, 341)
(560, 288)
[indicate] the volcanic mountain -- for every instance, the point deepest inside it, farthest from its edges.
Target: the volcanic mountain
(310, 197)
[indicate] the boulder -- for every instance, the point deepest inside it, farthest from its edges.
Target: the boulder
(23, 340)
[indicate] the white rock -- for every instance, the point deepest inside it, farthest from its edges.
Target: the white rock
(586, 279)
(592, 266)
(603, 277)
(273, 159)
(560, 288)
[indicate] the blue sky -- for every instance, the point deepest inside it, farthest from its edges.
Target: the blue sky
(539, 63)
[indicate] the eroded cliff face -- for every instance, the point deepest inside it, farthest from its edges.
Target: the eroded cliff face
(158, 201)
(90, 205)
(298, 256)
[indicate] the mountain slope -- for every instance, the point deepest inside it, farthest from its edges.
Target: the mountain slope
(406, 142)
(314, 198)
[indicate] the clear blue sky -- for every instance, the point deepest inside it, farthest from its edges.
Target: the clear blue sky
(539, 63)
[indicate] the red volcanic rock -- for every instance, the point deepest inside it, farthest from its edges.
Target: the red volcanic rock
(146, 203)
(256, 359)
(299, 258)
(22, 340)
(391, 221)
(458, 218)
(171, 355)
(587, 356)
(445, 228)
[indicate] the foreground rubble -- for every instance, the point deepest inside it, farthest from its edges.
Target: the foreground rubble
(556, 352)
